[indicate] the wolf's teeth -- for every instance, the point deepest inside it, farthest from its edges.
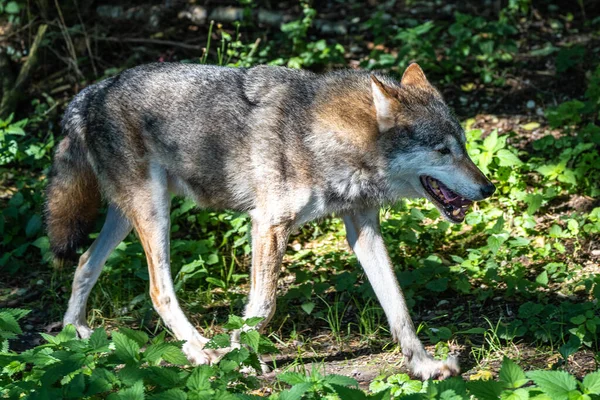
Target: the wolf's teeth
(456, 212)
(434, 185)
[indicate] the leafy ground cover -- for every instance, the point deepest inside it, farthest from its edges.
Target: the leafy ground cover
(519, 280)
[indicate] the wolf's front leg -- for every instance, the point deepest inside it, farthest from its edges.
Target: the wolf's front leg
(268, 247)
(364, 236)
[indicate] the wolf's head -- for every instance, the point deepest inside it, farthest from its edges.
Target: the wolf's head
(425, 144)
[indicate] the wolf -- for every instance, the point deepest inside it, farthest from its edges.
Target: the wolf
(286, 146)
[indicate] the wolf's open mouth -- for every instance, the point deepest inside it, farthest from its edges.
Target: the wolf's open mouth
(452, 204)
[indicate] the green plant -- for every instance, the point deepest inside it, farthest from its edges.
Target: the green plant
(304, 52)
(12, 9)
(314, 385)
(129, 365)
(9, 326)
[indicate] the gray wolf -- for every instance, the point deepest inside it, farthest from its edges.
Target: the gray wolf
(286, 146)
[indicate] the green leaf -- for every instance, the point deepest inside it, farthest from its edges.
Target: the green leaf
(171, 394)
(139, 337)
(534, 202)
(9, 323)
(556, 384)
(519, 394)
(200, 378)
(495, 241)
(438, 285)
(485, 390)
(226, 365)
(33, 226)
(591, 326)
(12, 7)
(568, 176)
(519, 241)
(490, 142)
(293, 378)
(60, 369)
(511, 375)
(250, 338)
(219, 341)
(547, 170)
(507, 158)
(67, 334)
(308, 307)
(130, 374)
(296, 392)
(100, 382)
(542, 278)
(340, 380)
(174, 355)
(253, 321)
(15, 130)
(136, 392)
(216, 282)
(234, 322)
(348, 393)
(166, 377)
(155, 352)
(570, 347)
(591, 383)
(75, 388)
(126, 349)
(99, 341)
(449, 389)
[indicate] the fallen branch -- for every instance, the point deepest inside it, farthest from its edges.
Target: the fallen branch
(10, 96)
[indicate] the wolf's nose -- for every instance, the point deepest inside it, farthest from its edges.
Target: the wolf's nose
(487, 190)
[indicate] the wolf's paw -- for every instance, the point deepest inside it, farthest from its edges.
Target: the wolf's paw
(198, 355)
(429, 368)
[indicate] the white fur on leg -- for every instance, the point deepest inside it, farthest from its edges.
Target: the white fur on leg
(364, 236)
(429, 368)
(115, 229)
(198, 355)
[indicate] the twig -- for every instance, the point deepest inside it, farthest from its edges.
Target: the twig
(17, 31)
(68, 40)
(87, 38)
(149, 41)
(254, 47)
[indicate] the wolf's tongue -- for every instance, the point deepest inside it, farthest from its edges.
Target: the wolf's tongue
(448, 194)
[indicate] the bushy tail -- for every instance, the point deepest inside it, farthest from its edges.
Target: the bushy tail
(72, 199)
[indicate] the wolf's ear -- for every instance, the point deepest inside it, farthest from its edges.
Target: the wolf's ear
(414, 76)
(386, 103)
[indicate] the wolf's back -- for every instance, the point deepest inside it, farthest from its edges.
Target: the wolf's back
(72, 195)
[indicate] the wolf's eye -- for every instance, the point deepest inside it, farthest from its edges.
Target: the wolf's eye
(444, 150)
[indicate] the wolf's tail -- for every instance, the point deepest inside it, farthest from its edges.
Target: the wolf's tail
(72, 196)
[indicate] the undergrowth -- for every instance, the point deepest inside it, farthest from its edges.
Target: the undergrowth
(527, 249)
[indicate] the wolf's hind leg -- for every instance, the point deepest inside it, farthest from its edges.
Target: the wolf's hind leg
(364, 236)
(149, 211)
(115, 229)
